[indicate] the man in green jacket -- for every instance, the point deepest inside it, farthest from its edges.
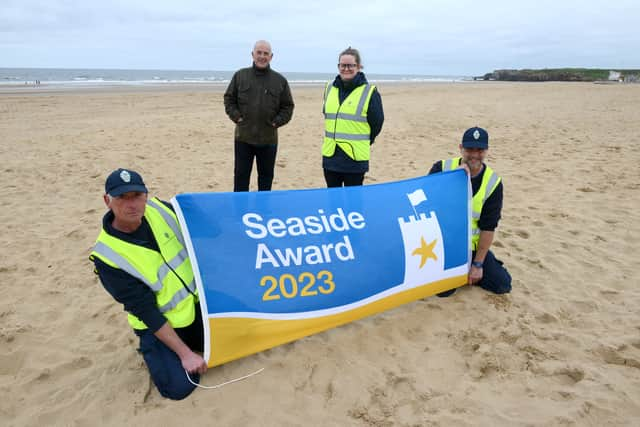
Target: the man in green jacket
(258, 100)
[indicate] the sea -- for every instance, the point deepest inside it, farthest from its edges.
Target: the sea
(78, 78)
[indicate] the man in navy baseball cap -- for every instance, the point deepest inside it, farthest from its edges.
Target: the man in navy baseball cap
(122, 181)
(475, 137)
(485, 270)
(142, 262)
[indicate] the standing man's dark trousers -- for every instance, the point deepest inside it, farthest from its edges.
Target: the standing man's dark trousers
(342, 179)
(265, 155)
(495, 278)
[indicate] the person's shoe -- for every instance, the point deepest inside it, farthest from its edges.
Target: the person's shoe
(446, 293)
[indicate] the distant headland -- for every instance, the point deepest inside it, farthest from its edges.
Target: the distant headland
(564, 75)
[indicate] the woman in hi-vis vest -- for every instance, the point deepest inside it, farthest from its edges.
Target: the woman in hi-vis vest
(353, 117)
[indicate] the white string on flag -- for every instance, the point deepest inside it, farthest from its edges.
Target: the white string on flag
(225, 383)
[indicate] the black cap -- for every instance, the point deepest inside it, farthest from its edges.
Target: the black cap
(122, 181)
(475, 138)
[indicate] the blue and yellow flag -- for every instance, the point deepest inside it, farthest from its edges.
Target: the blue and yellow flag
(273, 267)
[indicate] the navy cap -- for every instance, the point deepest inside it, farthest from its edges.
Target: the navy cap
(122, 181)
(475, 138)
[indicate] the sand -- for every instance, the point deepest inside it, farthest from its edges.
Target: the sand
(562, 349)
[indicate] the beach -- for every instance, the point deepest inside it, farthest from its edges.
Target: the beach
(563, 349)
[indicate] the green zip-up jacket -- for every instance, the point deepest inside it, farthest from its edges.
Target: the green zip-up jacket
(263, 100)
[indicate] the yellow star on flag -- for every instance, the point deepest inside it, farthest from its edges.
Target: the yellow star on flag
(425, 251)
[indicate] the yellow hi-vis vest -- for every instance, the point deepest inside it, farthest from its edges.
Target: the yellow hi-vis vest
(490, 181)
(346, 125)
(158, 270)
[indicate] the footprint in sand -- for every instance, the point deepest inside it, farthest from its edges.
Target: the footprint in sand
(486, 366)
(81, 362)
(8, 269)
(569, 376)
(534, 353)
(76, 234)
(469, 341)
(558, 215)
(564, 395)
(44, 375)
(546, 318)
(499, 302)
(614, 356)
(535, 262)
(397, 381)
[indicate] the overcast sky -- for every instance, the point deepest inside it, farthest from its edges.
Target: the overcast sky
(463, 37)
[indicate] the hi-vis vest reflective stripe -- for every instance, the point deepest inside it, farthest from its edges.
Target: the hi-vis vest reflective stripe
(490, 181)
(150, 267)
(346, 125)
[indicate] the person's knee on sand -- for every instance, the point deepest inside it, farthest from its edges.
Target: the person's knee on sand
(496, 278)
(165, 369)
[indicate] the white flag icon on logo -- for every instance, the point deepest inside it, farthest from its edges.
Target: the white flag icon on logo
(417, 197)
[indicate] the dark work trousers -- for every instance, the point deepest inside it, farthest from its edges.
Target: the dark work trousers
(339, 179)
(265, 155)
(165, 366)
(495, 278)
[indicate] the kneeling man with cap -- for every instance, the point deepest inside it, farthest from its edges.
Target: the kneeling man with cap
(141, 259)
(485, 271)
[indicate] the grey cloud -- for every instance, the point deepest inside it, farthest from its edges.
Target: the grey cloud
(435, 36)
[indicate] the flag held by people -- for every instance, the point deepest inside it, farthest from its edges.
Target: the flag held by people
(275, 266)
